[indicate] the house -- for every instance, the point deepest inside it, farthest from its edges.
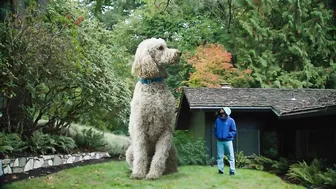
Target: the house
(293, 123)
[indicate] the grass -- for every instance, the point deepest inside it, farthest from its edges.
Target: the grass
(116, 175)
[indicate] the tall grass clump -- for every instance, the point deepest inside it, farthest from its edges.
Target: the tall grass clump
(115, 145)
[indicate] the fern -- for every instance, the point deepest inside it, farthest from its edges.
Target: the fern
(309, 175)
(11, 143)
(42, 143)
(241, 160)
(329, 177)
(261, 163)
(90, 140)
(64, 143)
(280, 167)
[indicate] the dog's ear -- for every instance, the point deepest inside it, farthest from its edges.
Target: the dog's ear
(144, 65)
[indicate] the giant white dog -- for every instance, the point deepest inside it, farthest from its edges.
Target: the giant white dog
(152, 152)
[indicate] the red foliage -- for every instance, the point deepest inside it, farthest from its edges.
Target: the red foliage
(213, 66)
(78, 20)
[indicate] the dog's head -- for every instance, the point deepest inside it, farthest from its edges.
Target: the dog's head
(151, 58)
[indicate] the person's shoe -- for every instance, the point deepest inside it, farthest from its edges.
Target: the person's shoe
(232, 173)
(220, 172)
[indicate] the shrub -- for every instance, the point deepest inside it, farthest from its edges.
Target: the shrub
(64, 143)
(329, 177)
(90, 140)
(191, 151)
(309, 175)
(42, 143)
(241, 160)
(261, 163)
(11, 143)
(280, 167)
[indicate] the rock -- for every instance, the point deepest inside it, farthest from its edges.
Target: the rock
(29, 165)
(70, 160)
(16, 163)
(58, 160)
(8, 170)
(38, 163)
(22, 161)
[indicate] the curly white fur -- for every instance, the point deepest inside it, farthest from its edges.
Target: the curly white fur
(152, 118)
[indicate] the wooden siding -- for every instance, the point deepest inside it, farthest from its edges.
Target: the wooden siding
(197, 125)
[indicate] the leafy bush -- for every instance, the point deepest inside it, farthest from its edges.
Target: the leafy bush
(90, 140)
(64, 143)
(309, 175)
(241, 160)
(261, 163)
(281, 166)
(63, 74)
(266, 164)
(42, 143)
(11, 143)
(191, 151)
(329, 177)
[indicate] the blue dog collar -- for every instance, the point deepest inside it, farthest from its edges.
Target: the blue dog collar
(149, 81)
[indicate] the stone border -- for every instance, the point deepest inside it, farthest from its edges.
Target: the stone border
(24, 164)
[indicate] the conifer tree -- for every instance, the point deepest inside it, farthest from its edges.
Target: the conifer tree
(287, 43)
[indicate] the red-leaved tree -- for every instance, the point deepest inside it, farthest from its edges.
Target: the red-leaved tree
(212, 66)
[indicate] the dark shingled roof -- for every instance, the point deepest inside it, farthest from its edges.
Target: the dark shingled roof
(281, 101)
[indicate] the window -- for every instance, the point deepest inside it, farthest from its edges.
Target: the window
(247, 140)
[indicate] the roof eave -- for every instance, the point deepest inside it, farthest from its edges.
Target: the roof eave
(263, 108)
(328, 110)
(305, 113)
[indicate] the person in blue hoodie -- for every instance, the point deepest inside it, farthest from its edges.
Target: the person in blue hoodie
(225, 131)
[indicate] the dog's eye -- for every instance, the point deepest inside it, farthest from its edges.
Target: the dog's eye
(161, 48)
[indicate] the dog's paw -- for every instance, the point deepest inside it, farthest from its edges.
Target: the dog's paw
(152, 176)
(137, 176)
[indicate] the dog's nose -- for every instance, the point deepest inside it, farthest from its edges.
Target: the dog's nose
(179, 53)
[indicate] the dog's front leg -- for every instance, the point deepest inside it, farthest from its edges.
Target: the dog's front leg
(161, 154)
(140, 162)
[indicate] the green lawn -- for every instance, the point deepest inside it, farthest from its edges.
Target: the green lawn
(116, 175)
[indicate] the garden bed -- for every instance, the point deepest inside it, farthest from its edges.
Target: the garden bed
(24, 164)
(43, 171)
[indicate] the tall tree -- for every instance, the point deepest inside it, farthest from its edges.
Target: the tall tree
(63, 63)
(212, 67)
(288, 43)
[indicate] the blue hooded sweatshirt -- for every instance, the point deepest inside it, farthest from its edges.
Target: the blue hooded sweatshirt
(225, 129)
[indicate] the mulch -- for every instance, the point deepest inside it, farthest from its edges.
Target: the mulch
(9, 178)
(289, 180)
